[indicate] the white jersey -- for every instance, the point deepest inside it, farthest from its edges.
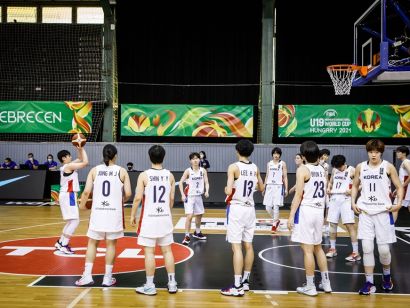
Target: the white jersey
(195, 182)
(245, 185)
(342, 182)
(107, 213)
(375, 193)
(69, 183)
(314, 190)
(403, 175)
(156, 219)
(274, 173)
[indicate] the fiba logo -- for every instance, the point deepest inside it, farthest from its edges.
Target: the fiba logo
(330, 113)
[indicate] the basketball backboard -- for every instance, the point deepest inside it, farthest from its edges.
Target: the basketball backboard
(382, 42)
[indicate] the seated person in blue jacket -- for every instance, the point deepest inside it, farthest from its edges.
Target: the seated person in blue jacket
(8, 164)
(31, 163)
(50, 163)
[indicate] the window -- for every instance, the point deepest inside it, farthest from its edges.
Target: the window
(21, 14)
(90, 15)
(57, 15)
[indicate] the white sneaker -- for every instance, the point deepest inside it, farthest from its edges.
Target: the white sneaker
(108, 281)
(233, 291)
(332, 252)
(307, 290)
(66, 250)
(85, 281)
(172, 287)
(325, 286)
(58, 245)
(245, 285)
(147, 289)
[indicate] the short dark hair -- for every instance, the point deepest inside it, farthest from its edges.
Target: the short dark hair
(193, 155)
(109, 152)
(52, 157)
(8, 159)
(61, 154)
(323, 152)
(338, 161)
(30, 154)
(403, 149)
(203, 153)
(375, 145)
(130, 164)
(244, 147)
(156, 154)
(310, 151)
(277, 150)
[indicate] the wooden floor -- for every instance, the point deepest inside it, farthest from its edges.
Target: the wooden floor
(20, 222)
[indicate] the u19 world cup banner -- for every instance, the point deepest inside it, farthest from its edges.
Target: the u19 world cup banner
(187, 120)
(388, 121)
(45, 117)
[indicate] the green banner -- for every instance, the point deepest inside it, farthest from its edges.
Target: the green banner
(45, 117)
(187, 120)
(344, 121)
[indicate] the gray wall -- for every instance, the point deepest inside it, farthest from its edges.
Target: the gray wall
(219, 155)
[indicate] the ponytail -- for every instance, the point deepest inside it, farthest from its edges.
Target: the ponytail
(109, 152)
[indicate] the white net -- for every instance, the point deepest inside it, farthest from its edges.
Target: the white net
(342, 77)
(52, 62)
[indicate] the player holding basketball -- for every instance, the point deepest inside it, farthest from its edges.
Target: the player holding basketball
(243, 179)
(375, 212)
(156, 190)
(340, 205)
(306, 217)
(111, 189)
(196, 179)
(276, 186)
(69, 187)
(401, 153)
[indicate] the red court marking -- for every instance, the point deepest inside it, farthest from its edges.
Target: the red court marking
(21, 260)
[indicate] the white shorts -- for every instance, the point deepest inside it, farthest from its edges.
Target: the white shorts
(194, 205)
(340, 206)
(273, 195)
(98, 235)
(404, 203)
(379, 225)
(327, 201)
(152, 242)
(241, 222)
(68, 205)
(308, 225)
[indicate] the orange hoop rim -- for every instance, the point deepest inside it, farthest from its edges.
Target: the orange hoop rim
(363, 70)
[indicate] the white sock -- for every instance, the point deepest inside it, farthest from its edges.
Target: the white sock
(88, 268)
(171, 277)
(150, 280)
(369, 278)
(325, 276)
(62, 237)
(309, 281)
(355, 246)
(237, 280)
(246, 276)
(186, 234)
(108, 270)
(197, 230)
(333, 244)
(386, 271)
(64, 241)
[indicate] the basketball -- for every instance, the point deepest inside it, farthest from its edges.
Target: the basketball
(78, 140)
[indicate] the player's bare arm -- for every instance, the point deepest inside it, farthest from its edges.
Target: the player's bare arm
(127, 184)
(172, 191)
(181, 185)
(233, 172)
(302, 175)
(139, 193)
(391, 171)
(355, 189)
(87, 189)
(206, 183)
(285, 178)
(330, 183)
(261, 185)
(79, 163)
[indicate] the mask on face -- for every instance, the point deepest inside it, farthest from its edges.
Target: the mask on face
(129, 168)
(49, 160)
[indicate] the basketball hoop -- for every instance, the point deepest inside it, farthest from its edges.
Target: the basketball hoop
(342, 76)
